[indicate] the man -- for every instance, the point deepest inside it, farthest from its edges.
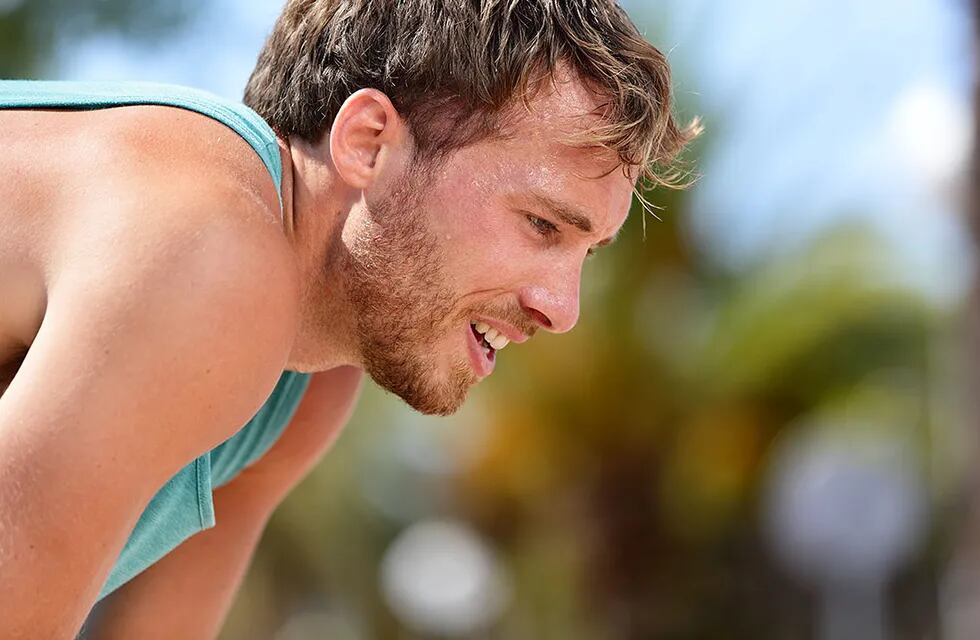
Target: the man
(439, 172)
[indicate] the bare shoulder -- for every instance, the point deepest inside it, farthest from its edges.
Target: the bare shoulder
(170, 308)
(169, 192)
(177, 261)
(205, 157)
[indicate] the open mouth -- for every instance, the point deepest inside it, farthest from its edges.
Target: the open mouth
(485, 344)
(481, 340)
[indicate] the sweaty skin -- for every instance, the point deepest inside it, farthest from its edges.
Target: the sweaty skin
(153, 292)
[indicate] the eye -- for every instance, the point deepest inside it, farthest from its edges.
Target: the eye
(542, 226)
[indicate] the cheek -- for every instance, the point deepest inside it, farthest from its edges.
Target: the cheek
(485, 246)
(490, 252)
(473, 240)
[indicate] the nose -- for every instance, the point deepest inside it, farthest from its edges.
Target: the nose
(554, 301)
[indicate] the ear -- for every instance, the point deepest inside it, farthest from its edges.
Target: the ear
(366, 129)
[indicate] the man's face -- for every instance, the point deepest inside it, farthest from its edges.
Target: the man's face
(494, 236)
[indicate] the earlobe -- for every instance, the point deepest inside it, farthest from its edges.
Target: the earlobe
(365, 127)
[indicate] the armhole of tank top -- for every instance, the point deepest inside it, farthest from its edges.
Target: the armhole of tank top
(205, 497)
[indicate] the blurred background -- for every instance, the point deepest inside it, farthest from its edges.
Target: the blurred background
(760, 428)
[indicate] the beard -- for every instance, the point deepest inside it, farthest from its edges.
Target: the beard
(404, 306)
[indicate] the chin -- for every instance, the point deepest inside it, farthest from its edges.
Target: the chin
(431, 399)
(432, 407)
(424, 388)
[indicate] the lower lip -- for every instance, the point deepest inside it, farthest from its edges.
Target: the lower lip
(482, 364)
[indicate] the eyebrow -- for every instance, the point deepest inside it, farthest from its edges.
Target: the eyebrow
(570, 215)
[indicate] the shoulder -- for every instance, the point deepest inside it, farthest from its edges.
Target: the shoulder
(173, 219)
(202, 317)
(160, 218)
(172, 188)
(181, 148)
(169, 244)
(186, 257)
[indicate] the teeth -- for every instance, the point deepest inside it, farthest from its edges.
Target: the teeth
(492, 336)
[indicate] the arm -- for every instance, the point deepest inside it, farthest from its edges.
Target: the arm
(188, 593)
(148, 332)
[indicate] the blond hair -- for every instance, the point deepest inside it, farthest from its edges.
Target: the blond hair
(455, 69)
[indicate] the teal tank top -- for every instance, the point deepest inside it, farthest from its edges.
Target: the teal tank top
(184, 505)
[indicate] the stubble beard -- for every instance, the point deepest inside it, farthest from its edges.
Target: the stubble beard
(397, 288)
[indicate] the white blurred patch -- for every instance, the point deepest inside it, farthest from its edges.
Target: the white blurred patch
(843, 510)
(440, 577)
(932, 132)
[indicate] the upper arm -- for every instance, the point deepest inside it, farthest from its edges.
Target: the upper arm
(153, 349)
(196, 582)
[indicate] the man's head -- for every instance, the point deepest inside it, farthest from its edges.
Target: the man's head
(484, 148)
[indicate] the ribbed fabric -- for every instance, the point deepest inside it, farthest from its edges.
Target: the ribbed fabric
(184, 505)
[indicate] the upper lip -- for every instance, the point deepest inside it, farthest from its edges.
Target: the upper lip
(504, 329)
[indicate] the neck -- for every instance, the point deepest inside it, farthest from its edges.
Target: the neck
(316, 204)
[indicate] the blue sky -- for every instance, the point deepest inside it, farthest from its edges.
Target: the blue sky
(822, 112)
(819, 112)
